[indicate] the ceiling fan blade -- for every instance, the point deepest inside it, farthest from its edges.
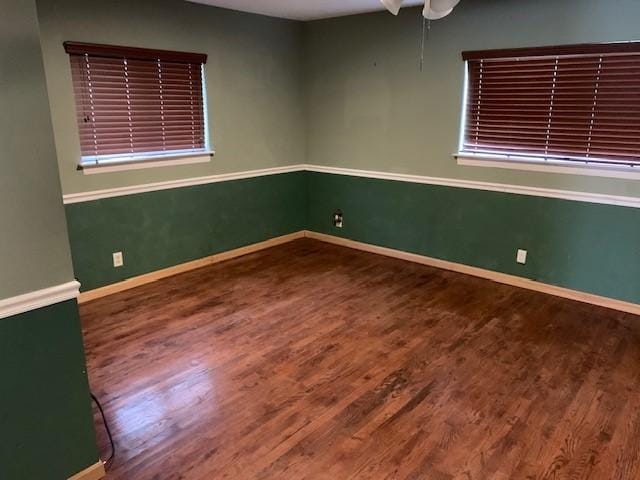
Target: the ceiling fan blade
(443, 5)
(392, 5)
(437, 9)
(431, 14)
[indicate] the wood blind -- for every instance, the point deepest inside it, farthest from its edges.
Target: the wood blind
(578, 103)
(133, 101)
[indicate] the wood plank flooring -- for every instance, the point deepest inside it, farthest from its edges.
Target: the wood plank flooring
(312, 361)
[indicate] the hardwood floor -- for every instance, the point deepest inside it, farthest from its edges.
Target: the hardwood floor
(312, 361)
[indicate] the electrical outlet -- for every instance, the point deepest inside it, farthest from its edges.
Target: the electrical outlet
(521, 256)
(118, 259)
(337, 218)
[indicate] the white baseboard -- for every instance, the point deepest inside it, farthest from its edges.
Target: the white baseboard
(94, 472)
(366, 247)
(185, 267)
(38, 299)
(482, 273)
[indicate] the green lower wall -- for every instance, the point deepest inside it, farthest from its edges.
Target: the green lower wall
(587, 247)
(160, 229)
(583, 246)
(46, 428)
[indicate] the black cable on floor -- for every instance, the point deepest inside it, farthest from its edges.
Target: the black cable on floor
(106, 427)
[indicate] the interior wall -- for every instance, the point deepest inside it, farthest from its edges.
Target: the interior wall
(160, 229)
(285, 93)
(358, 102)
(34, 246)
(45, 417)
(369, 107)
(587, 247)
(255, 107)
(45, 412)
(253, 81)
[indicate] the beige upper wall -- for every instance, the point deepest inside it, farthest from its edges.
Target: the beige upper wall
(34, 248)
(369, 107)
(343, 92)
(253, 79)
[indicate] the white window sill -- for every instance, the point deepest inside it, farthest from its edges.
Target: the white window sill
(138, 162)
(542, 165)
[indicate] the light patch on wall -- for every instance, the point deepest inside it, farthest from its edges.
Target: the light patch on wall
(367, 104)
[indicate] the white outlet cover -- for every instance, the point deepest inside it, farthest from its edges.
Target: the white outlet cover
(521, 257)
(118, 260)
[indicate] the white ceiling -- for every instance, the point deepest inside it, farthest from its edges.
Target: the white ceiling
(303, 9)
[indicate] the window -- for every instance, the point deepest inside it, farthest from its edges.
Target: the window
(575, 104)
(135, 104)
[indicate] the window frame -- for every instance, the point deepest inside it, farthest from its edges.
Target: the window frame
(532, 162)
(90, 164)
